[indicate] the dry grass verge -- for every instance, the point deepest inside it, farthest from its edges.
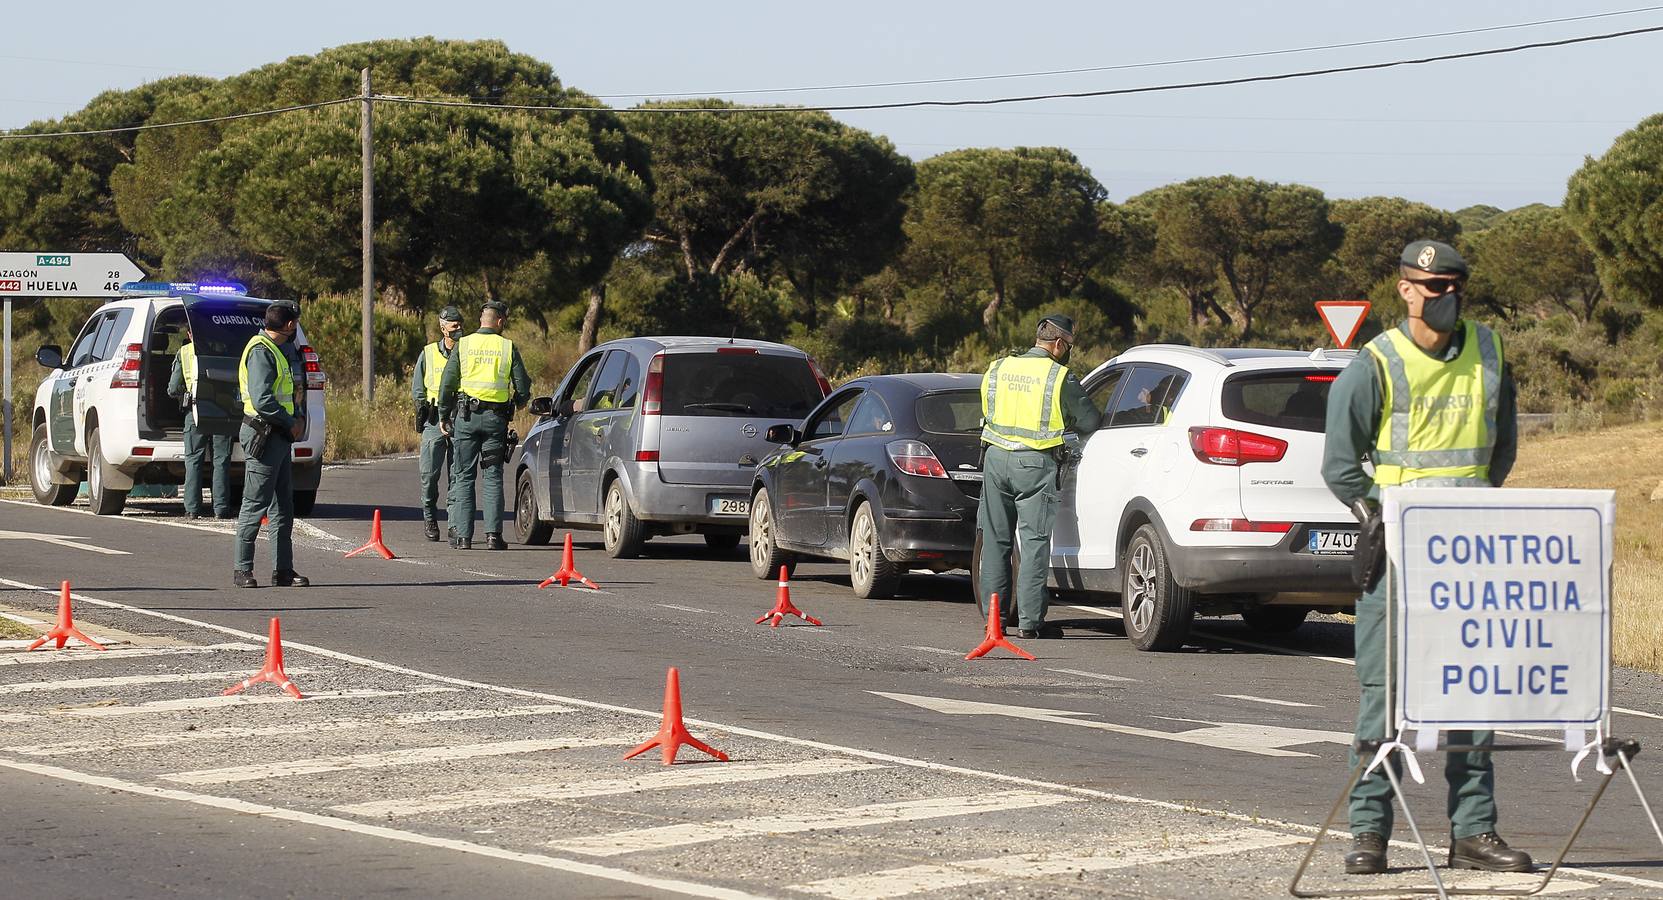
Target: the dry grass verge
(12, 631)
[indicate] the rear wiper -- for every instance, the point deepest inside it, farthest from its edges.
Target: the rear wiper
(733, 407)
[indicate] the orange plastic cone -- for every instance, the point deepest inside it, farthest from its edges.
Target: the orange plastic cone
(995, 635)
(783, 606)
(272, 671)
(65, 629)
(568, 572)
(672, 734)
(375, 540)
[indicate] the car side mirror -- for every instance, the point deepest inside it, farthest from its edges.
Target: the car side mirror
(783, 434)
(51, 356)
(542, 406)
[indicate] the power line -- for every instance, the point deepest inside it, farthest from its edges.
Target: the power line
(15, 135)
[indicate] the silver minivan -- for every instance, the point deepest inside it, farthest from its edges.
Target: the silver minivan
(659, 435)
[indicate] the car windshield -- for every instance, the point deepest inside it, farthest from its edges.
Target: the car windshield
(950, 412)
(1287, 399)
(739, 384)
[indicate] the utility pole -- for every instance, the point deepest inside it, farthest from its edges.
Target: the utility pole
(365, 127)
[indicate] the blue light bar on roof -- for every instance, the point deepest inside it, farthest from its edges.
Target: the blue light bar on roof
(169, 288)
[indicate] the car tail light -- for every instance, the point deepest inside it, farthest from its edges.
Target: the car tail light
(302, 452)
(132, 359)
(144, 451)
(315, 377)
(1240, 525)
(652, 393)
(1229, 447)
(819, 377)
(749, 351)
(1321, 378)
(916, 458)
(646, 456)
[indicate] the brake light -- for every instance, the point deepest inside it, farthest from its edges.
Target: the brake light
(749, 351)
(132, 360)
(1240, 525)
(646, 456)
(916, 458)
(819, 377)
(1321, 378)
(315, 377)
(302, 452)
(1229, 447)
(652, 393)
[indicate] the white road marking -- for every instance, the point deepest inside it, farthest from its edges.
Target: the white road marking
(675, 777)
(1094, 610)
(214, 702)
(935, 650)
(918, 879)
(691, 609)
(1273, 702)
(237, 732)
(149, 520)
(23, 659)
(305, 527)
(69, 684)
(1097, 675)
(654, 715)
(1245, 737)
(74, 543)
(413, 756)
(21, 620)
(574, 867)
(1635, 712)
(671, 836)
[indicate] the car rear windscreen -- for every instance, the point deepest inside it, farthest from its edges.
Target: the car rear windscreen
(950, 412)
(1296, 399)
(739, 384)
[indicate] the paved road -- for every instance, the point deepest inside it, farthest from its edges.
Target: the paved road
(463, 732)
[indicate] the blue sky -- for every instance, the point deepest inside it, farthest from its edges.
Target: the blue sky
(1505, 130)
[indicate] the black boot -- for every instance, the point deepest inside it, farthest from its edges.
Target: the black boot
(431, 529)
(244, 579)
(493, 541)
(289, 578)
(1045, 631)
(1489, 852)
(1367, 856)
(457, 542)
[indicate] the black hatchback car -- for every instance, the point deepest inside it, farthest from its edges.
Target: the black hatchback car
(885, 473)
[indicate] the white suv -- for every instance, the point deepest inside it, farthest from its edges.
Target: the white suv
(104, 415)
(1202, 494)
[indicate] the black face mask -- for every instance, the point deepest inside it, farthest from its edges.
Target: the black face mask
(1062, 360)
(1441, 313)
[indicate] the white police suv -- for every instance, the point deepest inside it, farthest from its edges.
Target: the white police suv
(104, 415)
(1201, 493)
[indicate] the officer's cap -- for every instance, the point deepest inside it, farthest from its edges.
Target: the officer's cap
(1433, 258)
(1061, 323)
(496, 306)
(450, 314)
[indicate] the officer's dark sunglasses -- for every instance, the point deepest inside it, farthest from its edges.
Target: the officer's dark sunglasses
(1436, 285)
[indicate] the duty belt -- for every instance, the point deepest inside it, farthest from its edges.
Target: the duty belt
(474, 404)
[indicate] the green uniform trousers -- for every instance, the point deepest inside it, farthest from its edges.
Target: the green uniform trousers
(435, 460)
(199, 446)
(268, 490)
(1018, 505)
(1471, 776)
(480, 439)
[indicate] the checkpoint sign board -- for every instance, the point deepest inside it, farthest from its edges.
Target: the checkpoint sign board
(65, 274)
(1504, 613)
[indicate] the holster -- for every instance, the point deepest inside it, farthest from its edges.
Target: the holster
(425, 415)
(256, 445)
(1368, 561)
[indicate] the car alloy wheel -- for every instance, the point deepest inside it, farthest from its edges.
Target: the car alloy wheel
(621, 531)
(1157, 609)
(1139, 602)
(766, 556)
(870, 572)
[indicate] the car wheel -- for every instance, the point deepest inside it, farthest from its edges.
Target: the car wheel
(106, 501)
(1157, 611)
(528, 523)
(1007, 605)
(305, 502)
(1274, 619)
(40, 473)
(766, 556)
(722, 543)
(870, 572)
(621, 531)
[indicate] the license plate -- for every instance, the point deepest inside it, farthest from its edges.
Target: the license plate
(1332, 543)
(730, 506)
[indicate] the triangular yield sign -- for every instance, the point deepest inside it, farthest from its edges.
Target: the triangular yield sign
(1343, 319)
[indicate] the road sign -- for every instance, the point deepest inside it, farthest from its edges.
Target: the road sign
(1343, 319)
(65, 274)
(1504, 613)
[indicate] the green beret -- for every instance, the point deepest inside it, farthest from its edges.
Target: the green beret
(497, 306)
(1064, 324)
(1434, 258)
(450, 314)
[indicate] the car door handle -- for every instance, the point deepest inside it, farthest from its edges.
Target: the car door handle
(1139, 451)
(820, 463)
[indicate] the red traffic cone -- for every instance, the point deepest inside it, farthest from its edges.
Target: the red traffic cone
(375, 540)
(995, 635)
(272, 671)
(65, 629)
(568, 572)
(783, 606)
(672, 734)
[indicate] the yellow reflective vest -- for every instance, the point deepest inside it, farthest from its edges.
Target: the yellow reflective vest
(433, 371)
(1022, 403)
(1438, 419)
(282, 386)
(486, 362)
(187, 366)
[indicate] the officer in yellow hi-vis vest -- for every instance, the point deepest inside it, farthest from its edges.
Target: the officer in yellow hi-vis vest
(271, 425)
(1028, 401)
(484, 382)
(424, 389)
(1430, 403)
(199, 445)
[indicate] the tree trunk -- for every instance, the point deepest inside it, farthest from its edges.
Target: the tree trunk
(990, 312)
(591, 319)
(687, 256)
(732, 242)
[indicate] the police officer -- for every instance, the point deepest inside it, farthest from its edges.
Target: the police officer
(424, 388)
(1378, 410)
(484, 382)
(199, 444)
(266, 383)
(1028, 401)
